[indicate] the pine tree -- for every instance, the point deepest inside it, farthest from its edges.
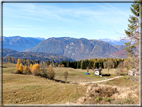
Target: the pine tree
(133, 32)
(48, 62)
(68, 63)
(78, 64)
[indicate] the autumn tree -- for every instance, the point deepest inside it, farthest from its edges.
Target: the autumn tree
(17, 65)
(9, 59)
(31, 67)
(51, 73)
(119, 68)
(20, 68)
(13, 60)
(27, 70)
(35, 69)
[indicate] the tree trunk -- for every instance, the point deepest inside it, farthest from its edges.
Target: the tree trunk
(108, 70)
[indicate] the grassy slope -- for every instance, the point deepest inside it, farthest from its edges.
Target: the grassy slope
(78, 75)
(28, 89)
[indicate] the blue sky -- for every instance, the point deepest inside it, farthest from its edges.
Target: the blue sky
(77, 20)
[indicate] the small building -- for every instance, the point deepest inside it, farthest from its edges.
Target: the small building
(133, 72)
(137, 73)
(98, 71)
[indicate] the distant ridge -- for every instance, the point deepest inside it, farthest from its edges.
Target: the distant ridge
(35, 55)
(75, 48)
(19, 43)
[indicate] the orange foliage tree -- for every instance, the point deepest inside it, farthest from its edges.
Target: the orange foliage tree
(20, 68)
(17, 65)
(35, 68)
(51, 72)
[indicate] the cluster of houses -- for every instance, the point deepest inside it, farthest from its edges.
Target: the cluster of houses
(132, 72)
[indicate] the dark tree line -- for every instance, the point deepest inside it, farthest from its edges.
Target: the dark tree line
(83, 64)
(91, 63)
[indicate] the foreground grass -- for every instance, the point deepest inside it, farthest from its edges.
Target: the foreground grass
(27, 89)
(124, 81)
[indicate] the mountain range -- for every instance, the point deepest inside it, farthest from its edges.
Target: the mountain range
(114, 42)
(76, 49)
(19, 43)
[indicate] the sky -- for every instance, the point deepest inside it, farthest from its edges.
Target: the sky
(77, 20)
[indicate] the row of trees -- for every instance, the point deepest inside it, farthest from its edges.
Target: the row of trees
(35, 70)
(92, 63)
(28, 62)
(83, 64)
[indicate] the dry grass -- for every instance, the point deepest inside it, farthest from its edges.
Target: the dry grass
(78, 75)
(28, 89)
(124, 81)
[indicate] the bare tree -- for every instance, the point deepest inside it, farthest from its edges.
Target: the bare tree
(66, 74)
(108, 65)
(119, 68)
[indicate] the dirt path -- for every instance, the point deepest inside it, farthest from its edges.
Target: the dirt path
(85, 83)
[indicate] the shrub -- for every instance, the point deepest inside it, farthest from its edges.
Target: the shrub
(107, 99)
(59, 65)
(97, 99)
(47, 73)
(36, 69)
(44, 73)
(62, 65)
(51, 73)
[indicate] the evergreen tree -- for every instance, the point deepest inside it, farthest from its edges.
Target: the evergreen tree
(48, 62)
(133, 32)
(78, 64)
(68, 63)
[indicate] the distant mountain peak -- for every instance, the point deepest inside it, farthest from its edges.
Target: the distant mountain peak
(114, 41)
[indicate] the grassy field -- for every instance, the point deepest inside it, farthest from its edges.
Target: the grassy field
(78, 75)
(29, 89)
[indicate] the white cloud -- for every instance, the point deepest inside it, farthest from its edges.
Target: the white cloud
(23, 29)
(114, 9)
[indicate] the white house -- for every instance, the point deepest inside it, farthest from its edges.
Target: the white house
(133, 72)
(98, 71)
